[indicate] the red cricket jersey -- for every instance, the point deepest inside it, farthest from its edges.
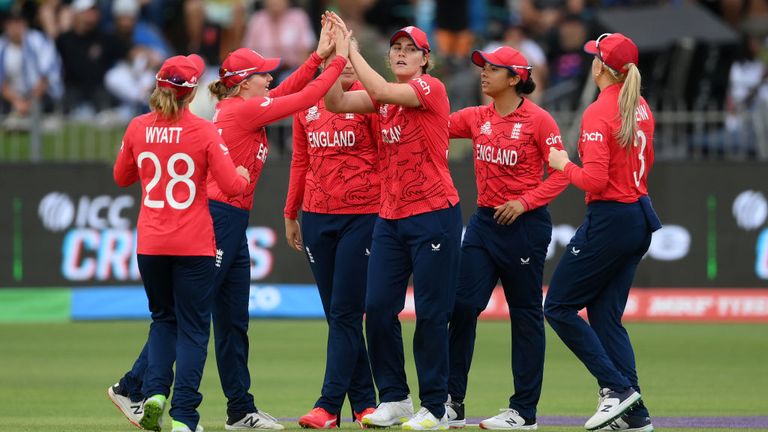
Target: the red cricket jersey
(241, 122)
(510, 153)
(172, 159)
(334, 163)
(413, 153)
(610, 172)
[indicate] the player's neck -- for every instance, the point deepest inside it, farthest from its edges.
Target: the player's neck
(507, 102)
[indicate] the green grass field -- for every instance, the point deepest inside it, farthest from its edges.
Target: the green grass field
(53, 377)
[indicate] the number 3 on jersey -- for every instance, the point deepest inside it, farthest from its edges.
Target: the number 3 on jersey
(175, 179)
(641, 156)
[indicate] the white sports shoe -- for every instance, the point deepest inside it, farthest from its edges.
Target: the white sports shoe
(390, 413)
(425, 420)
(630, 423)
(254, 420)
(508, 419)
(181, 427)
(611, 405)
(133, 411)
(455, 413)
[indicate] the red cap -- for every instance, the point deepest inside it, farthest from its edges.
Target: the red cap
(505, 57)
(613, 49)
(244, 62)
(181, 73)
(418, 37)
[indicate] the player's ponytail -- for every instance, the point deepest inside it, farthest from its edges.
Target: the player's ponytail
(220, 91)
(525, 87)
(629, 97)
(164, 101)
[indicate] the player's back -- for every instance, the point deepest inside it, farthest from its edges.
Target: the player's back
(172, 161)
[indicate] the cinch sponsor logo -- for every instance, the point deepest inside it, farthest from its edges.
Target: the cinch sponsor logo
(592, 137)
(554, 139)
(424, 86)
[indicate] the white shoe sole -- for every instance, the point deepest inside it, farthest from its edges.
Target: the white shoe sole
(127, 414)
(394, 422)
(595, 424)
(489, 427)
(457, 424)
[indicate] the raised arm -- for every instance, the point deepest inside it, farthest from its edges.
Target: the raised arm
(378, 88)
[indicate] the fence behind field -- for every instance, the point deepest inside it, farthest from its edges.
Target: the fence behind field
(680, 135)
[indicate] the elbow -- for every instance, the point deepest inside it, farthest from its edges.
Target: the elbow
(377, 93)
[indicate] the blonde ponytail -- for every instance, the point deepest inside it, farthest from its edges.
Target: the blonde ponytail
(629, 98)
(221, 91)
(163, 100)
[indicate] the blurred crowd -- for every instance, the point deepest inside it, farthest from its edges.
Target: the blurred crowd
(94, 60)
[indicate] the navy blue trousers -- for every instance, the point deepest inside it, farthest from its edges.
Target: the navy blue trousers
(427, 246)
(179, 290)
(515, 255)
(231, 281)
(337, 248)
(596, 272)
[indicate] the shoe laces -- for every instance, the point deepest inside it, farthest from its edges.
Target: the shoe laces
(267, 416)
(507, 412)
(601, 395)
(421, 414)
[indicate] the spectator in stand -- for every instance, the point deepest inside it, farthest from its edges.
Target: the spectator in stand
(87, 53)
(215, 27)
(544, 16)
(132, 79)
(747, 90)
(569, 65)
(516, 36)
(454, 39)
(281, 30)
(30, 71)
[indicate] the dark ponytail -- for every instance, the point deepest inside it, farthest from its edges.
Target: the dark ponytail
(525, 87)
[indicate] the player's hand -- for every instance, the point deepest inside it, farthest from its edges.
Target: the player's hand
(342, 42)
(293, 234)
(243, 172)
(326, 42)
(509, 211)
(337, 20)
(558, 159)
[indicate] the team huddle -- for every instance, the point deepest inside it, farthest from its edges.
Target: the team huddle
(370, 177)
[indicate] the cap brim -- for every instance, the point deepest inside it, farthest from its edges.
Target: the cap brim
(401, 33)
(270, 65)
(198, 62)
(591, 47)
(481, 58)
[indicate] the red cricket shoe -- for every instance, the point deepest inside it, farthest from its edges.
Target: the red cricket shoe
(319, 418)
(359, 416)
